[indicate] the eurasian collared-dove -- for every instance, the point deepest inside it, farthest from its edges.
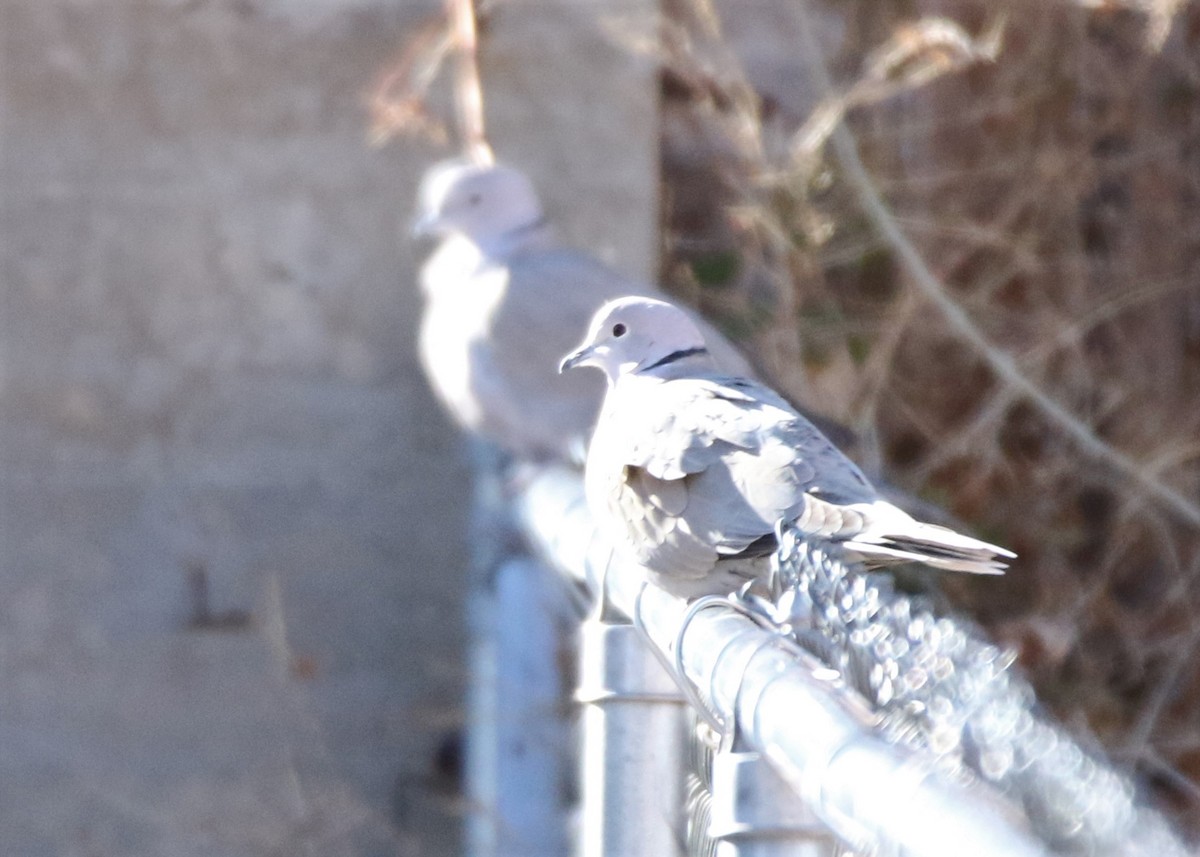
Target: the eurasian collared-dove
(690, 469)
(503, 301)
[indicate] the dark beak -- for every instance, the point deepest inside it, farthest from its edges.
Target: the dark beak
(575, 358)
(424, 225)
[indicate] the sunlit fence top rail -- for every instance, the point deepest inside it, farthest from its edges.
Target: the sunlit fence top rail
(906, 733)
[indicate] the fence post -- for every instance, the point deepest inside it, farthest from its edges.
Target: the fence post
(634, 722)
(756, 814)
(518, 742)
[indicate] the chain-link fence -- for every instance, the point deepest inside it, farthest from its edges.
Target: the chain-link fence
(840, 715)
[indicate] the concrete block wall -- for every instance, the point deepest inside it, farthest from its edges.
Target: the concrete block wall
(232, 519)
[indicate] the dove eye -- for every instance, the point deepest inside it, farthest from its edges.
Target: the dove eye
(474, 199)
(618, 330)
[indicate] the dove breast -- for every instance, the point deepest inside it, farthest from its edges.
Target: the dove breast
(490, 340)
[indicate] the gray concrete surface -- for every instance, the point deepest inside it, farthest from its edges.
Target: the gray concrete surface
(231, 518)
(209, 380)
(571, 96)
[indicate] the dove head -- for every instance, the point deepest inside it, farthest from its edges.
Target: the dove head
(636, 334)
(485, 203)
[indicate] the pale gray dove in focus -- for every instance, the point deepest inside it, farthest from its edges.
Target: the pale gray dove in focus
(504, 299)
(690, 469)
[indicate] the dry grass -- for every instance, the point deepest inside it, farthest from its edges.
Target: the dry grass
(991, 270)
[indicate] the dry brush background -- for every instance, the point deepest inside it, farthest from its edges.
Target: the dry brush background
(994, 279)
(969, 231)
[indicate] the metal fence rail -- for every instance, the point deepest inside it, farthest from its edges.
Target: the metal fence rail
(519, 745)
(908, 735)
(944, 689)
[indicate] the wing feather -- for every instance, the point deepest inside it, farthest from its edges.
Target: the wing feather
(700, 468)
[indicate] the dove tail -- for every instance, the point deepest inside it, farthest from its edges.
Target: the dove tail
(896, 537)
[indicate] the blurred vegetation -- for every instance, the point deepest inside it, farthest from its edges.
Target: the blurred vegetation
(1024, 347)
(970, 231)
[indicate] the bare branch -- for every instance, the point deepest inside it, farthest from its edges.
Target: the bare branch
(913, 57)
(397, 101)
(1160, 16)
(468, 90)
(964, 327)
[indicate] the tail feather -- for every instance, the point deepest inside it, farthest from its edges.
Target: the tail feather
(890, 552)
(892, 536)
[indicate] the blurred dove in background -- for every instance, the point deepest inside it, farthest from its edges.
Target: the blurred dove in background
(691, 468)
(504, 299)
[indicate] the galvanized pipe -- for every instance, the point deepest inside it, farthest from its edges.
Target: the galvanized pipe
(817, 733)
(756, 814)
(518, 740)
(633, 747)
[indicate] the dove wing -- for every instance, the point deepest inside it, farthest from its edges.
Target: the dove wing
(698, 468)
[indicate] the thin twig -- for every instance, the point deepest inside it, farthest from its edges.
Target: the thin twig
(468, 90)
(915, 56)
(964, 327)
(1160, 16)
(1072, 332)
(397, 102)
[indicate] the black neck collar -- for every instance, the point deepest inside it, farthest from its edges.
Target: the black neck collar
(532, 226)
(674, 356)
